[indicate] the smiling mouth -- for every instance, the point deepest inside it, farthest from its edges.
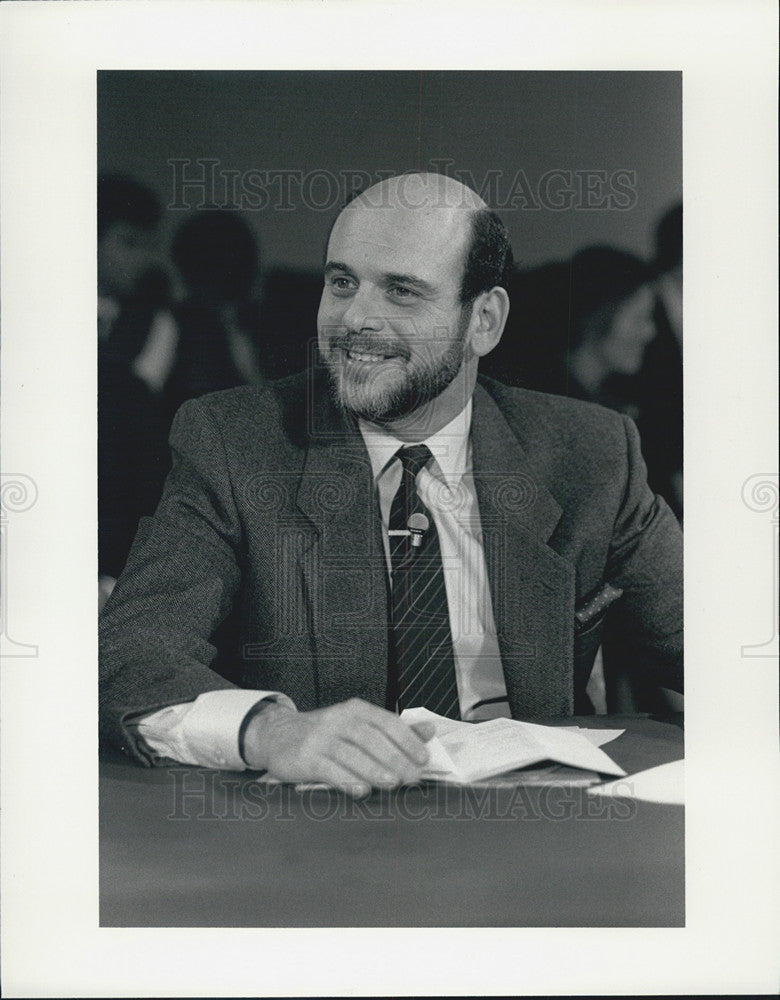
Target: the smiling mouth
(370, 353)
(370, 358)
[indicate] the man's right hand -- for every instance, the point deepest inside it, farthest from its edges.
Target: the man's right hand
(353, 746)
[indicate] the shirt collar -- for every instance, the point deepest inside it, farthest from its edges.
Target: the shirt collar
(449, 446)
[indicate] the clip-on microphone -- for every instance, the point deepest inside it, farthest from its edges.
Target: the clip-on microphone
(417, 525)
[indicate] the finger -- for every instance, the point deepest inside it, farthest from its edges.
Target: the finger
(425, 730)
(343, 780)
(407, 741)
(375, 742)
(363, 767)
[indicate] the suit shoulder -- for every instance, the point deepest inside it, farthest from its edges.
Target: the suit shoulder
(246, 396)
(568, 442)
(557, 415)
(271, 404)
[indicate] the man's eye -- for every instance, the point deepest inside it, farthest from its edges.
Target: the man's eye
(402, 292)
(340, 283)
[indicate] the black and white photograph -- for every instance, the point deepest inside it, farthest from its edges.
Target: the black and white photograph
(392, 297)
(359, 560)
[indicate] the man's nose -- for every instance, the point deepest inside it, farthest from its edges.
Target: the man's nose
(364, 311)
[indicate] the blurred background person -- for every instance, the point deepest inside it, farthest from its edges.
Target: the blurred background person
(609, 329)
(668, 265)
(579, 328)
(132, 286)
(132, 304)
(216, 320)
(660, 383)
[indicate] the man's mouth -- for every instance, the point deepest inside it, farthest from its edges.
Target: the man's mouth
(371, 358)
(370, 353)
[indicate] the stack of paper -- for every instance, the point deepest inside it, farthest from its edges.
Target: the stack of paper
(465, 752)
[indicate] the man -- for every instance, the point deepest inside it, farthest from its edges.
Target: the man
(134, 330)
(294, 506)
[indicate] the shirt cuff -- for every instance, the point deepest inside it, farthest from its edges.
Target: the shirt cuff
(204, 732)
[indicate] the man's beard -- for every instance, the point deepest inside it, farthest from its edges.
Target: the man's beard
(384, 391)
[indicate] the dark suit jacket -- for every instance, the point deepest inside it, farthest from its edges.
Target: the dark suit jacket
(270, 510)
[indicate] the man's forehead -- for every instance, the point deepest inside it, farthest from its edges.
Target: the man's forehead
(395, 229)
(408, 215)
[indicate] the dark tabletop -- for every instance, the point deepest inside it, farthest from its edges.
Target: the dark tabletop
(187, 847)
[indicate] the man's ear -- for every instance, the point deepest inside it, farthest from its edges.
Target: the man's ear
(488, 318)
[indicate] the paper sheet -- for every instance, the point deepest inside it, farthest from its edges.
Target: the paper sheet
(464, 752)
(598, 737)
(664, 784)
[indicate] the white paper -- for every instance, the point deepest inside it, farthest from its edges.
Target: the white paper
(664, 784)
(465, 752)
(598, 737)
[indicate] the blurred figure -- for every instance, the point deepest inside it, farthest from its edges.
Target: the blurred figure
(660, 383)
(610, 327)
(579, 328)
(132, 299)
(668, 266)
(128, 214)
(217, 257)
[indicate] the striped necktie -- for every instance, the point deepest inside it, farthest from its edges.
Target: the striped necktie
(422, 665)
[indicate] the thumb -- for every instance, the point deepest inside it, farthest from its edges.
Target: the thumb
(425, 730)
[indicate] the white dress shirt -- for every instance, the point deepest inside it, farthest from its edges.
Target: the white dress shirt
(204, 732)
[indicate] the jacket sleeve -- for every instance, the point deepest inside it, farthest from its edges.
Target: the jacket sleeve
(179, 583)
(646, 561)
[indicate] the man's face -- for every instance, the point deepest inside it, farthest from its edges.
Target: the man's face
(125, 251)
(391, 328)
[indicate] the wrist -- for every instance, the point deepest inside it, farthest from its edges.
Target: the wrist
(257, 723)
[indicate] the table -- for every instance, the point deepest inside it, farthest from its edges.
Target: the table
(187, 847)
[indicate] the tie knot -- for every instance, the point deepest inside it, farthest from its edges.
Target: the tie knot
(414, 458)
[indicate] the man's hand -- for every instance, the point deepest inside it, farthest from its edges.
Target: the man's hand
(354, 746)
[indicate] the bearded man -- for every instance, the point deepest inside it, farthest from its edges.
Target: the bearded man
(387, 529)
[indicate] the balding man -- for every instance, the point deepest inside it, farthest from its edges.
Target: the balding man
(386, 529)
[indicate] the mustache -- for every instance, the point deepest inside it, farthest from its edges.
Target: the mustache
(370, 345)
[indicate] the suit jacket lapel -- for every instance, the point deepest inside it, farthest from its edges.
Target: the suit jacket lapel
(531, 586)
(344, 570)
